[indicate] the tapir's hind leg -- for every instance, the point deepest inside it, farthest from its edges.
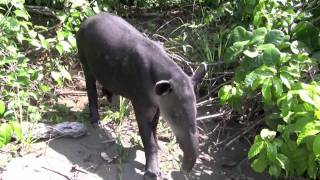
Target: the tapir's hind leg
(145, 115)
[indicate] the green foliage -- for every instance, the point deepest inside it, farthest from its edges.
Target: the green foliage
(272, 59)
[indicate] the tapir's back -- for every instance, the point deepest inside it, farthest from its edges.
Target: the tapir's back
(119, 56)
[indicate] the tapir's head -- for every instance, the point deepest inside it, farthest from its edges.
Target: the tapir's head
(177, 103)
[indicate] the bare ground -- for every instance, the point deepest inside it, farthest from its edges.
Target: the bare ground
(80, 159)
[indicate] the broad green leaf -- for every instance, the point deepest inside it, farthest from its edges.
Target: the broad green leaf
(258, 35)
(22, 13)
(251, 54)
(317, 114)
(271, 152)
(65, 45)
(311, 128)
(274, 170)
(56, 76)
(65, 74)
(285, 80)
(271, 56)
(266, 92)
(306, 32)
(17, 130)
(225, 93)
(255, 149)
(260, 164)
(275, 37)
(298, 47)
(277, 87)
(230, 55)
(2, 107)
(240, 34)
(312, 166)
(5, 133)
(283, 161)
(72, 40)
(304, 95)
(316, 146)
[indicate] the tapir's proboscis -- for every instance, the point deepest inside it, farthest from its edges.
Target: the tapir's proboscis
(127, 63)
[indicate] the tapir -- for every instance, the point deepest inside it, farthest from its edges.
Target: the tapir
(127, 63)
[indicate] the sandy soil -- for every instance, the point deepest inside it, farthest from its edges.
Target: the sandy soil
(80, 159)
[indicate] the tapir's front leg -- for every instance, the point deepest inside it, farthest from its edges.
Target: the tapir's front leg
(92, 96)
(147, 117)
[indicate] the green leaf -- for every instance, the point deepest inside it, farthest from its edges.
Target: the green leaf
(271, 152)
(283, 161)
(56, 76)
(266, 92)
(65, 45)
(17, 130)
(2, 107)
(255, 149)
(225, 93)
(258, 35)
(271, 55)
(298, 47)
(311, 128)
(240, 34)
(233, 51)
(65, 74)
(306, 32)
(312, 166)
(286, 80)
(251, 54)
(304, 95)
(260, 164)
(277, 87)
(5, 133)
(316, 146)
(274, 171)
(275, 37)
(22, 13)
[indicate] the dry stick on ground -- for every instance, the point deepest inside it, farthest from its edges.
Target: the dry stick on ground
(210, 116)
(59, 173)
(239, 135)
(214, 90)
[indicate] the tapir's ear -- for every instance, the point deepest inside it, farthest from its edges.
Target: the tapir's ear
(199, 74)
(163, 87)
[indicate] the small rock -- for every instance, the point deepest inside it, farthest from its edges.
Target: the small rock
(106, 157)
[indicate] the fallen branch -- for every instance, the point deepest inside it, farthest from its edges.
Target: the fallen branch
(59, 173)
(74, 93)
(210, 116)
(206, 101)
(214, 90)
(241, 134)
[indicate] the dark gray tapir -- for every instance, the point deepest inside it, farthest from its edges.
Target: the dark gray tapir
(127, 63)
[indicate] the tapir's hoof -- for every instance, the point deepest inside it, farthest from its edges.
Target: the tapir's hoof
(148, 175)
(96, 124)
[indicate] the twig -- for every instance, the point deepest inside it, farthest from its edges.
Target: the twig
(206, 101)
(210, 116)
(239, 135)
(59, 173)
(75, 93)
(214, 90)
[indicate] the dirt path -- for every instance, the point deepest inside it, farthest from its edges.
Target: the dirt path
(80, 159)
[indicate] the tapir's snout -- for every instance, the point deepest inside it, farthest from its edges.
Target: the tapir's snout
(189, 144)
